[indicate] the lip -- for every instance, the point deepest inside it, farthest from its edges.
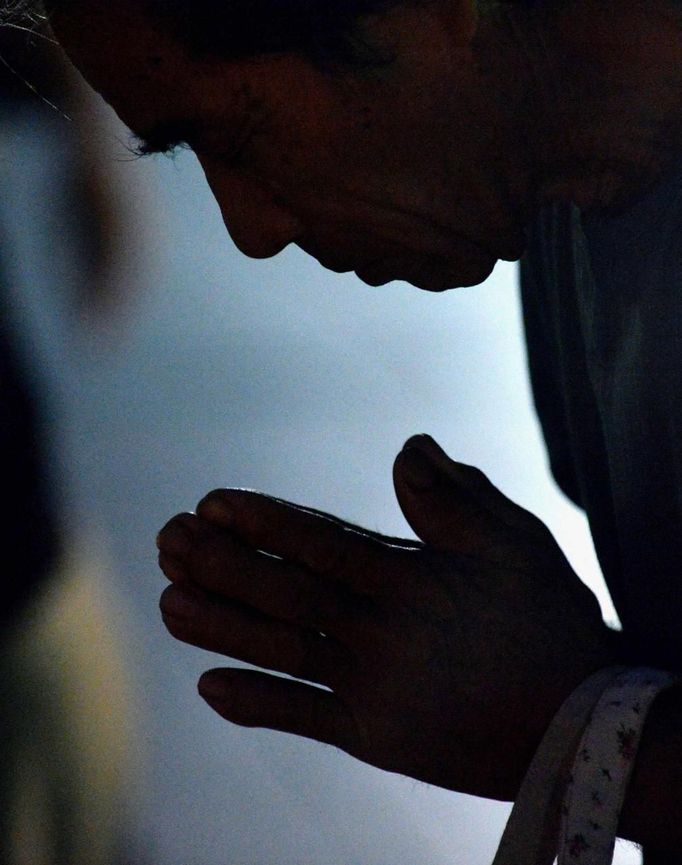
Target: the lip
(374, 274)
(332, 259)
(370, 272)
(336, 265)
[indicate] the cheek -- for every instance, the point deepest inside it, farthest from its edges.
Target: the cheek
(291, 163)
(331, 146)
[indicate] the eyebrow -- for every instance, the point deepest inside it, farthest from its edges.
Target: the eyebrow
(165, 135)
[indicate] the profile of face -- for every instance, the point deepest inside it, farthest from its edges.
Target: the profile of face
(396, 173)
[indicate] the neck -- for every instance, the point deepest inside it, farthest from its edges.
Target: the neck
(593, 97)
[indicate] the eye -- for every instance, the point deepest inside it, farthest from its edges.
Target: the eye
(141, 148)
(165, 136)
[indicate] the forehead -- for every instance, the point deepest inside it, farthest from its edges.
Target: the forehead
(142, 71)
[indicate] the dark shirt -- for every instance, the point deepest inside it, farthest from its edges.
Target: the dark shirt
(603, 315)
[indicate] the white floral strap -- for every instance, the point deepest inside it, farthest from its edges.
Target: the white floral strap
(586, 758)
(603, 764)
(530, 837)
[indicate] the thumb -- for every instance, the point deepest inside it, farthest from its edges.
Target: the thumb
(453, 506)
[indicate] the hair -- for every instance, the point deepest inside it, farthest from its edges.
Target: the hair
(324, 31)
(328, 32)
(23, 14)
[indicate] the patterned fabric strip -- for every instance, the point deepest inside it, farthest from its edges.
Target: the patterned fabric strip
(603, 764)
(530, 837)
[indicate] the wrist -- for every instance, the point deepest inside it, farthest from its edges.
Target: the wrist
(605, 649)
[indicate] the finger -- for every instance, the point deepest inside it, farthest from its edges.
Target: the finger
(220, 562)
(441, 513)
(219, 518)
(173, 568)
(408, 543)
(198, 618)
(475, 482)
(174, 542)
(454, 507)
(324, 546)
(254, 699)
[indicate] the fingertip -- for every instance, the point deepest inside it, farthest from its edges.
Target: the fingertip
(415, 469)
(215, 507)
(230, 693)
(430, 448)
(213, 685)
(443, 465)
(177, 536)
(421, 441)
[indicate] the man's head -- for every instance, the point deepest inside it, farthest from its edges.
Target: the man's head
(382, 136)
(362, 135)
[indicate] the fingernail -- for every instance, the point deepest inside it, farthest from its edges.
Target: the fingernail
(175, 540)
(214, 508)
(212, 686)
(419, 438)
(418, 470)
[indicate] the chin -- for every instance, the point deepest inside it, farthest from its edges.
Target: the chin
(446, 278)
(437, 276)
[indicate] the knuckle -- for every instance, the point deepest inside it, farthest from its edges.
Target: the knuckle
(187, 519)
(475, 476)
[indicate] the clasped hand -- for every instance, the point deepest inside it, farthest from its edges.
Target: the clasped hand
(443, 660)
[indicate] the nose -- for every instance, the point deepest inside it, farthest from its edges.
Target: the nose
(258, 223)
